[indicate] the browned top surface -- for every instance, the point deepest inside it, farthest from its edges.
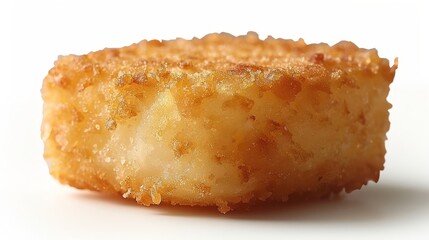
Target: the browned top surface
(223, 52)
(229, 54)
(216, 63)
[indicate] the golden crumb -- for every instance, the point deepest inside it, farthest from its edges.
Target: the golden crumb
(219, 121)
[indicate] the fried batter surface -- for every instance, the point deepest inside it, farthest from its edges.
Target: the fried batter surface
(220, 121)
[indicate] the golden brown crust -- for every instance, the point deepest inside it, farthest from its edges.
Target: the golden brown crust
(249, 119)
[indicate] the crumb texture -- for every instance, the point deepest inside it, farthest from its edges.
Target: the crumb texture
(220, 121)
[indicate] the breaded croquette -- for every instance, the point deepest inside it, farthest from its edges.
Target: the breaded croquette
(219, 121)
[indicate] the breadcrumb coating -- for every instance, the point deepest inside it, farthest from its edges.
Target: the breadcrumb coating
(219, 121)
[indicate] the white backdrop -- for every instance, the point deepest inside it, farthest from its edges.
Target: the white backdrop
(34, 33)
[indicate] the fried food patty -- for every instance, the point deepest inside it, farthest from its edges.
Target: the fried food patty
(220, 121)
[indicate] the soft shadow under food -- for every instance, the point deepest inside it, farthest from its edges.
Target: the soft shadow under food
(376, 202)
